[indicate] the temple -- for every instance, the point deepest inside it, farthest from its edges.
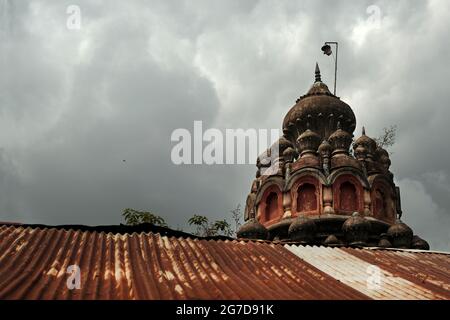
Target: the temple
(317, 185)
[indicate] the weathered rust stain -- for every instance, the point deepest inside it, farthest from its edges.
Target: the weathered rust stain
(34, 262)
(426, 269)
(403, 274)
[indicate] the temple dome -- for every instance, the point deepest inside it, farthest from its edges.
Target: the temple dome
(284, 143)
(332, 241)
(419, 243)
(310, 180)
(321, 109)
(302, 229)
(366, 142)
(308, 141)
(400, 234)
(340, 140)
(356, 229)
(252, 229)
(325, 147)
(289, 154)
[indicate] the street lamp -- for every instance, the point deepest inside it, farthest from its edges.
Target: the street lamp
(326, 48)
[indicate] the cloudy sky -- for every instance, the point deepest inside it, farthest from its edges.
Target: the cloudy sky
(75, 103)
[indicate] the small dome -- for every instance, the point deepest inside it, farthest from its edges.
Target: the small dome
(289, 154)
(252, 229)
(284, 143)
(308, 141)
(382, 156)
(332, 240)
(325, 147)
(356, 229)
(380, 152)
(340, 140)
(302, 230)
(384, 241)
(419, 243)
(400, 234)
(308, 135)
(368, 143)
(360, 152)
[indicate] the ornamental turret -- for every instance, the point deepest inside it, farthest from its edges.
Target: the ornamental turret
(312, 189)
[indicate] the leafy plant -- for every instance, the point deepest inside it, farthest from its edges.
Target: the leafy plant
(134, 217)
(222, 226)
(205, 228)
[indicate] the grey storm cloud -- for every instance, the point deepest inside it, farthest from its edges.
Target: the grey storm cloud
(75, 103)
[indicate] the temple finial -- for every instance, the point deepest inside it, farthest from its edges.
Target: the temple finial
(363, 131)
(318, 73)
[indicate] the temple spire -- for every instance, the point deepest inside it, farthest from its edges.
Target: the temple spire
(318, 79)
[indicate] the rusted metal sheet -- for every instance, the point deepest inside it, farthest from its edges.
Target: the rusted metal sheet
(425, 269)
(34, 264)
(382, 274)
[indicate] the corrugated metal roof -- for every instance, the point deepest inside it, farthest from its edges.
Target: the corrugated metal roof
(425, 269)
(34, 261)
(402, 275)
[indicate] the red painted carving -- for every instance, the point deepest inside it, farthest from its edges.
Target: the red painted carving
(379, 206)
(270, 208)
(348, 198)
(348, 194)
(306, 198)
(271, 211)
(305, 194)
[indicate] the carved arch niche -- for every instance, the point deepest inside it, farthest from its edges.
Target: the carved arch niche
(348, 195)
(306, 196)
(270, 208)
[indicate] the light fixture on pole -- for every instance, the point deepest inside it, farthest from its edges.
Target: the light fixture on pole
(326, 48)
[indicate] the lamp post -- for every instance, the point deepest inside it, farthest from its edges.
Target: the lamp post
(326, 48)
